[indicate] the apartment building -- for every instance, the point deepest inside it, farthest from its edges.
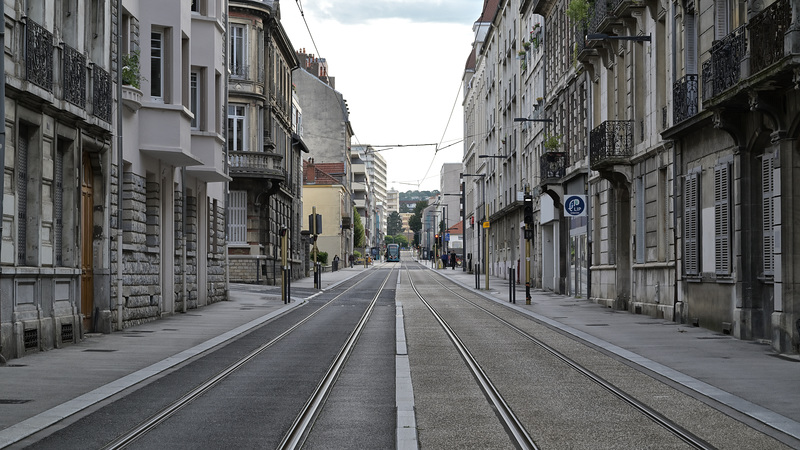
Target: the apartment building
(109, 133)
(674, 126)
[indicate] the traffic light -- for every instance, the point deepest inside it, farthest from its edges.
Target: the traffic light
(528, 213)
(436, 240)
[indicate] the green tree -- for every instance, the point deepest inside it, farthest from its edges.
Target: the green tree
(389, 240)
(415, 221)
(394, 224)
(401, 240)
(358, 230)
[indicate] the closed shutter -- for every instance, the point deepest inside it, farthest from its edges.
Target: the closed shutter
(691, 44)
(22, 194)
(58, 206)
(691, 241)
(640, 221)
(237, 227)
(768, 213)
(721, 19)
(722, 219)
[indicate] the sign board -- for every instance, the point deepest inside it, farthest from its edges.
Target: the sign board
(486, 224)
(528, 234)
(575, 206)
(447, 237)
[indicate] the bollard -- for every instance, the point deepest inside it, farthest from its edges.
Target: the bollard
(514, 285)
(477, 276)
(510, 284)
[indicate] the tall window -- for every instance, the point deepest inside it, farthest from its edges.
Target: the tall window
(237, 51)
(194, 98)
(237, 222)
(691, 223)
(722, 219)
(157, 64)
(237, 128)
(640, 220)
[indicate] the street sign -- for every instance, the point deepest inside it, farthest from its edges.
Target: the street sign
(447, 237)
(575, 206)
(486, 224)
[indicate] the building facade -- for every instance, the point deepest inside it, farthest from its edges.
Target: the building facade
(675, 123)
(100, 156)
(265, 149)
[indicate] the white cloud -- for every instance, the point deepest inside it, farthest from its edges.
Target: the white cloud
(359, 11)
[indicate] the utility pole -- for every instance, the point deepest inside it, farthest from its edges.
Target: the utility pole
(528, 219)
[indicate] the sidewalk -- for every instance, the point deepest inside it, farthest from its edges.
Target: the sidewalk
(744, 375)
(39, 390)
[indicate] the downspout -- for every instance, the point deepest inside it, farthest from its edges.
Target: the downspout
(119, 168)
(2, 131)
(226, 163)
(184, 209)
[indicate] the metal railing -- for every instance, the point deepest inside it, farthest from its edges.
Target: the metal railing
(38, 55)
(611, 143)
(723, 69)
(684, 98)
(767, 30)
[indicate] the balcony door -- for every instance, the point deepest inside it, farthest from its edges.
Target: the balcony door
(87, 256)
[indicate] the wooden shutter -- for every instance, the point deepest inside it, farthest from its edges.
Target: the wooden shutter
(722, 219)
(721, 19)
(691, 44)
(691, 216)
(768, 213)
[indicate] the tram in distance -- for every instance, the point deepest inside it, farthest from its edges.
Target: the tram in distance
(393, 253)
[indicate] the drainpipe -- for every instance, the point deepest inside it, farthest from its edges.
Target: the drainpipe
(184, 210)
(119, 168)
(226, 163)
(2, 130)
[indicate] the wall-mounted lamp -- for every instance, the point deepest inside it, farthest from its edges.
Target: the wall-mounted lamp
(525, 119)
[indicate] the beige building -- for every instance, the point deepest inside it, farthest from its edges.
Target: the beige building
(331, 204)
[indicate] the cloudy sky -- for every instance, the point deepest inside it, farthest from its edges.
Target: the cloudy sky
(399, 65)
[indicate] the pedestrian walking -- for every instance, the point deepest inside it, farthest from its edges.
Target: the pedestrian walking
(352, 260)
(453, 260)
(336, 263)
(444, 260)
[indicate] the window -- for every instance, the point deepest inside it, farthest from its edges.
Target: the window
(194, 98)
(237, 225)
(691, 222)
(237, 128)
(157, 65)
(237, 51)
(722, 219)
(768, 213)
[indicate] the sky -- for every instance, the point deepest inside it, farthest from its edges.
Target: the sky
(399, 64)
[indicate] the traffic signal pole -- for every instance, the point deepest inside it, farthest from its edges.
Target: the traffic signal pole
(528, 219)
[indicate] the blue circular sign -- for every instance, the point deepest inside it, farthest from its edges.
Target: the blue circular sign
(575, 205)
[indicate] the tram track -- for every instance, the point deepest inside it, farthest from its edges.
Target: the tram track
(304, 421)
(684, 435)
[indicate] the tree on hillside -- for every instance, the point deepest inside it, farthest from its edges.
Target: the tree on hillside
(401, 240)
(358, 230)
(415, 221)
(394, 224)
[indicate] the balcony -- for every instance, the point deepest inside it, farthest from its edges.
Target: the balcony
(74, 77)
(767, 30)
(684, 98)
(553, 166)
(723, 70)
(257, 165)
(610, 144)
(39, 55)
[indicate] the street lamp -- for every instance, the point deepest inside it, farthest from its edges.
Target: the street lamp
(602, 37)
(486, 217)
(525, 119)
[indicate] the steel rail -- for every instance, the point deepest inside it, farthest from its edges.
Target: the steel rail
(651, 413)
(299, 430)
(165, 413)
(510, 420)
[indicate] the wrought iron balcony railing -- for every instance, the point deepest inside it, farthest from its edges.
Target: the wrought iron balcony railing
(74, 77)
(611, 143)
(766, 32)
(723, 69)
(684, 98)
(101, 94)
(553, 166)
(257, 164)
(39, 55)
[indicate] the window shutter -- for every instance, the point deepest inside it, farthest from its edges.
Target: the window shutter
(237, 228)
(22, 195)
(768, 213)
(691, 247)
(640, 221)
(722, 223)
(58, 207)
(691, 44)
(721, 20)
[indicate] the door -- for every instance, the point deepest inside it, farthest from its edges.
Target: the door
(87, 259)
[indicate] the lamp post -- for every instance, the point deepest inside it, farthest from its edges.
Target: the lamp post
(485, 226)
(463, 241)
(528, 205)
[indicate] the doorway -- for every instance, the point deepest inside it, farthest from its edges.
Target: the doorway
(87, 254)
